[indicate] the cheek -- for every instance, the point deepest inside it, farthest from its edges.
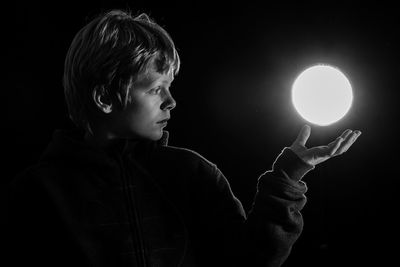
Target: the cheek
(143, 112)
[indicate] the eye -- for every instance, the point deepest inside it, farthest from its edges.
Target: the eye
(155, 91)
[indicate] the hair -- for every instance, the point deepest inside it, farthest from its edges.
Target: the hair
(109, 53)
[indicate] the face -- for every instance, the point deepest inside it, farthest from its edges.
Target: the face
(149, 108)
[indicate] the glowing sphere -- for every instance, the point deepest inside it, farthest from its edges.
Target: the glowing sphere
(322, 95)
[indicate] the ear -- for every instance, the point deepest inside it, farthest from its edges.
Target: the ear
(102, 99)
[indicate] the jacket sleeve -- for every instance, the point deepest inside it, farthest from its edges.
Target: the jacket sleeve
(274, 222)
(264, 236)
(36, 232)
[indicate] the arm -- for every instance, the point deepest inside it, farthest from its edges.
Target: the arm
(36, 232)
(274, 222)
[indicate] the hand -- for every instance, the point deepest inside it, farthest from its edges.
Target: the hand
(316, 155)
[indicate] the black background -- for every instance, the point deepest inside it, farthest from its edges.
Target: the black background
(239, 61)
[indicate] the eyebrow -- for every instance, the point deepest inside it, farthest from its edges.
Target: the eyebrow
(167, 82)
(148, 80)
(162, 81)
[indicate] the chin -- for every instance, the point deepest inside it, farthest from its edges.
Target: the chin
(154, 136)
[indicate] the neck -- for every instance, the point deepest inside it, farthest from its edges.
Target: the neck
(101, 139)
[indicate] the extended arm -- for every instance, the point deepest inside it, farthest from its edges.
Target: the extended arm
(274, 222)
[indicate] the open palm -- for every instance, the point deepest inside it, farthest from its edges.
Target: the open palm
(318, 154)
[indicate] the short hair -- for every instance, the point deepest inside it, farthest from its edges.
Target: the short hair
(110, 52)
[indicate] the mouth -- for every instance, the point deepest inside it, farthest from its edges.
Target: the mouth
(163, 121)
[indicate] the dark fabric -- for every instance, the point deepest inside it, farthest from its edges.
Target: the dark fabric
(148, 204)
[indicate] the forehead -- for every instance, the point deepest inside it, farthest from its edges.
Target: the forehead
(152, 76)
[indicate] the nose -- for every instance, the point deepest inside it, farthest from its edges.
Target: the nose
(169, 102)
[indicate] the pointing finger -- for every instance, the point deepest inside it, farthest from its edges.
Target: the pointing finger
(303, 135)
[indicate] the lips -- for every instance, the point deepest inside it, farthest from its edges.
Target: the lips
(163, 121)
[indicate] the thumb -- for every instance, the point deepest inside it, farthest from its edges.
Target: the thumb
(303, 135)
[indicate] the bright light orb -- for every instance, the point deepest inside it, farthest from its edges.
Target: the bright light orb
(322, 95)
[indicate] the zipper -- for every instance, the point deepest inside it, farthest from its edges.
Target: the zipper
(129, 190)
(174, 207)
(148, 176)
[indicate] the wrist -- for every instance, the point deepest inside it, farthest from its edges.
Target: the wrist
(292, 164)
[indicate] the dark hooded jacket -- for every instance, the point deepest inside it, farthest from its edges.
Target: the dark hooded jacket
(144, 203)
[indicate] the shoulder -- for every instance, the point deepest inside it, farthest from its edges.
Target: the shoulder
(28, 189)
(46, 176)
(187, 164)
(33, 176)
(185, 155)
(210, 187)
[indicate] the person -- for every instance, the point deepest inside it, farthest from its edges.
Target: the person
(112, 192)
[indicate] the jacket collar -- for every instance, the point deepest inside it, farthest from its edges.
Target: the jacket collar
(70, 145)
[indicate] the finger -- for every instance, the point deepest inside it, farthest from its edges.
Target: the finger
(346, 144)
(346, 134)
(303, 135)
(334, 142)
(334, 146)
